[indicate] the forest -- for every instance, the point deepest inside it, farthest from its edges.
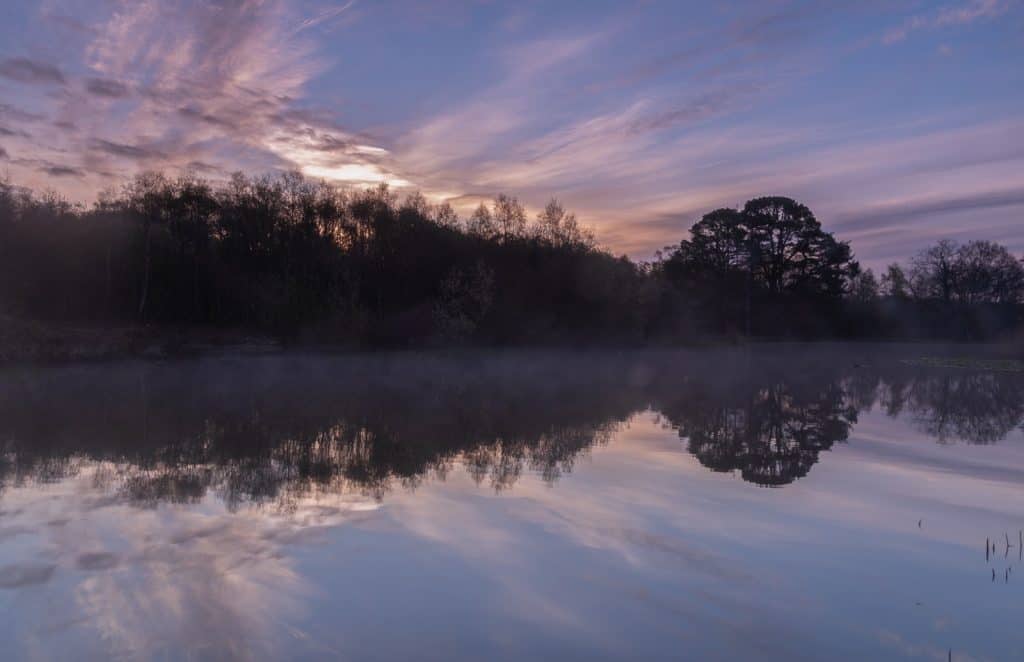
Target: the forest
(309, 263)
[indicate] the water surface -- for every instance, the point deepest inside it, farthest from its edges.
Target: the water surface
(778, 504)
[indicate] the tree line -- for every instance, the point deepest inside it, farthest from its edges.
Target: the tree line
(770, 268)
(308, 261)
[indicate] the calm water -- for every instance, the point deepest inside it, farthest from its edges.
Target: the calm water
(785, 504)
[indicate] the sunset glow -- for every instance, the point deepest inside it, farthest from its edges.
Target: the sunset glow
(889, 119)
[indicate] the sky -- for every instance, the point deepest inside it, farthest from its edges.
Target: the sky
(898, 122)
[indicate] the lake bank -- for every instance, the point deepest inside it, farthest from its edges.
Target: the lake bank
(24, 341)
(34, 342)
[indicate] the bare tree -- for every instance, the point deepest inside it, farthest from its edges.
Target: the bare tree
(481, 223)
(986, 272)
(557, 227)
(932, 271)
(509, 217)
(864, 286)
(894, 282)
(445, 216)
(976, 272)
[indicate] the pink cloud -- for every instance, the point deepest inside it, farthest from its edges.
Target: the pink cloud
(947, 16)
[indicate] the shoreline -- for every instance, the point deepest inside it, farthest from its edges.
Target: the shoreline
(38, 343)
(32, 342)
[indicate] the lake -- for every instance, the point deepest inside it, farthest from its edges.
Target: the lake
(775, 503)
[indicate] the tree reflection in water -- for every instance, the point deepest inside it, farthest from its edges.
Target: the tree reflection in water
(973, 406)
(771, 433)
(272, 430)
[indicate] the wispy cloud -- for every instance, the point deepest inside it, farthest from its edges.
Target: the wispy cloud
(4, 131)
(25, 70)
(126, 151)
(639, 117)
(61, 171)
(326, 15)
(958, 14)
(704, 106)
(106, 87)
(216, 84)
(19, 114)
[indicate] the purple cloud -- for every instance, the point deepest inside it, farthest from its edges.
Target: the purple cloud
(638, 116)
(24, 70)
(105, 87)
(19, 115)
(126, 151)
(61, 171)
(10, 133)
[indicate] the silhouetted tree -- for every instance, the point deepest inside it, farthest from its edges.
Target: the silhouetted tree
(307, 261)
(985, 272)
(932, 272)
(864, 287)
(771, 253)
(509, 217)
(445, 216)
(481, 223)
(148, 196)
(556, 227)
(894, 283)
(792, 251)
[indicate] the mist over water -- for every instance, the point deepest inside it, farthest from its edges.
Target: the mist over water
(783, 502)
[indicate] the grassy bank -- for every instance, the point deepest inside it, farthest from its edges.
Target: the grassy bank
(30, 341)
